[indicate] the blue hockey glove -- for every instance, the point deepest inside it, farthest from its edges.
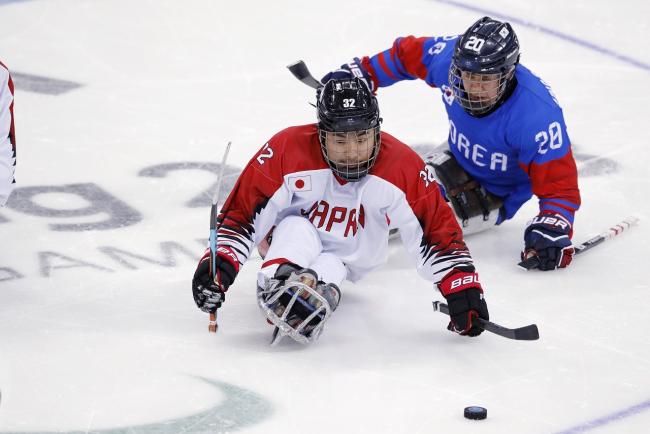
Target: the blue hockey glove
(350, 70)
(547, 238)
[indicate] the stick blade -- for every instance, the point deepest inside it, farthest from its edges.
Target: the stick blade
(528, 333)
(301, 72)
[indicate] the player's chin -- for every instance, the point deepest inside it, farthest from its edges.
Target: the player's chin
(481, 102)
(352, 167)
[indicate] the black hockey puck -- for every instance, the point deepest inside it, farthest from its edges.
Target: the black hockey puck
(475, 413)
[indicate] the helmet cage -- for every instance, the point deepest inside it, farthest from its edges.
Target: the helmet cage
(483, 65)
(347, 108)
(355, 168)
(479, 93)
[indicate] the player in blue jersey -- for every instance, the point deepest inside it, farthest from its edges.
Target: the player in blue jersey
(507, 137)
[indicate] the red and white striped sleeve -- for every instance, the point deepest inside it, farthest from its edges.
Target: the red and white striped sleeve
(260, 194)
(426, 223)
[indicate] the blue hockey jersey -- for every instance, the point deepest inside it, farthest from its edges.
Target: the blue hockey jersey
(520, 149)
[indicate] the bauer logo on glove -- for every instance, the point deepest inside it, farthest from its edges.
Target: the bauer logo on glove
(548, 239)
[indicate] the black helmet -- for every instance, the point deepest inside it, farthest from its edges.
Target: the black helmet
(348, 107)
(489, 48)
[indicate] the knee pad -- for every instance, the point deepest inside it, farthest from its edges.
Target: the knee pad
(293, 238)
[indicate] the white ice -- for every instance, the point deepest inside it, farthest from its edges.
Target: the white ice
(109, 345)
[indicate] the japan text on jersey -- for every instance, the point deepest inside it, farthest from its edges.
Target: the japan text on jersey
(289, 177)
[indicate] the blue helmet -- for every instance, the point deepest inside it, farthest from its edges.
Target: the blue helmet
(483, 66)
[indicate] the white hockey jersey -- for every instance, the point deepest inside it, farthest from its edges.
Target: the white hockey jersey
(289, 176)
(7, 135)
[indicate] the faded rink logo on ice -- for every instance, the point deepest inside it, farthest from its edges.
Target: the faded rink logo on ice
(239, 409)
(98, 214)
(102, 212)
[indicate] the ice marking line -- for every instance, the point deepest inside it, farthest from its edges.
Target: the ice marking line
(557, 34)
(240, 408)
(596, 423)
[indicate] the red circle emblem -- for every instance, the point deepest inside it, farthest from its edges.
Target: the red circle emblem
(300, 183)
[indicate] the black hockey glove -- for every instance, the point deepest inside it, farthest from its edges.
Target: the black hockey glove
(464, 295)
(350, 70)
(547, 238)
(209, 292)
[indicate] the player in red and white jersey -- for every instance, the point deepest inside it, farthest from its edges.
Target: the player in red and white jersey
(7, 135)
(327, 195)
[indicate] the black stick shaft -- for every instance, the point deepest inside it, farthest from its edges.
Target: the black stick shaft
(527, 333)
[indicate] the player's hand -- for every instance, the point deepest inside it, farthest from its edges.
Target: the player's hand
(350, 70)
(208, 290)
(547, 238)
(465, 300)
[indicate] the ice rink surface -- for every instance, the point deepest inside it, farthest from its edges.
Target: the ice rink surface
(123, 109)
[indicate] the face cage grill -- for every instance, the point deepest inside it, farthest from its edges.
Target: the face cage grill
(481, 103)
(351, 172)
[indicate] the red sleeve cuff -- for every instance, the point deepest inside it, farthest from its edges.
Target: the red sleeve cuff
(226, 254)
(457, 281)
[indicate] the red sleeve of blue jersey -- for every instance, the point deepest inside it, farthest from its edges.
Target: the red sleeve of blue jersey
(547, 158)
(403, 61)
(555, 183)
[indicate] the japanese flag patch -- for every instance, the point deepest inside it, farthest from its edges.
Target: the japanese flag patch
(300, 183)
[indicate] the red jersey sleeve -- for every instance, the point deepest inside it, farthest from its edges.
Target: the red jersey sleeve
(426, 223)
(252, 206)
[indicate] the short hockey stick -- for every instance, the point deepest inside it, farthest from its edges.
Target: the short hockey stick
(301, 72)
(527, 333)
(212, 326)
(615, 230)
